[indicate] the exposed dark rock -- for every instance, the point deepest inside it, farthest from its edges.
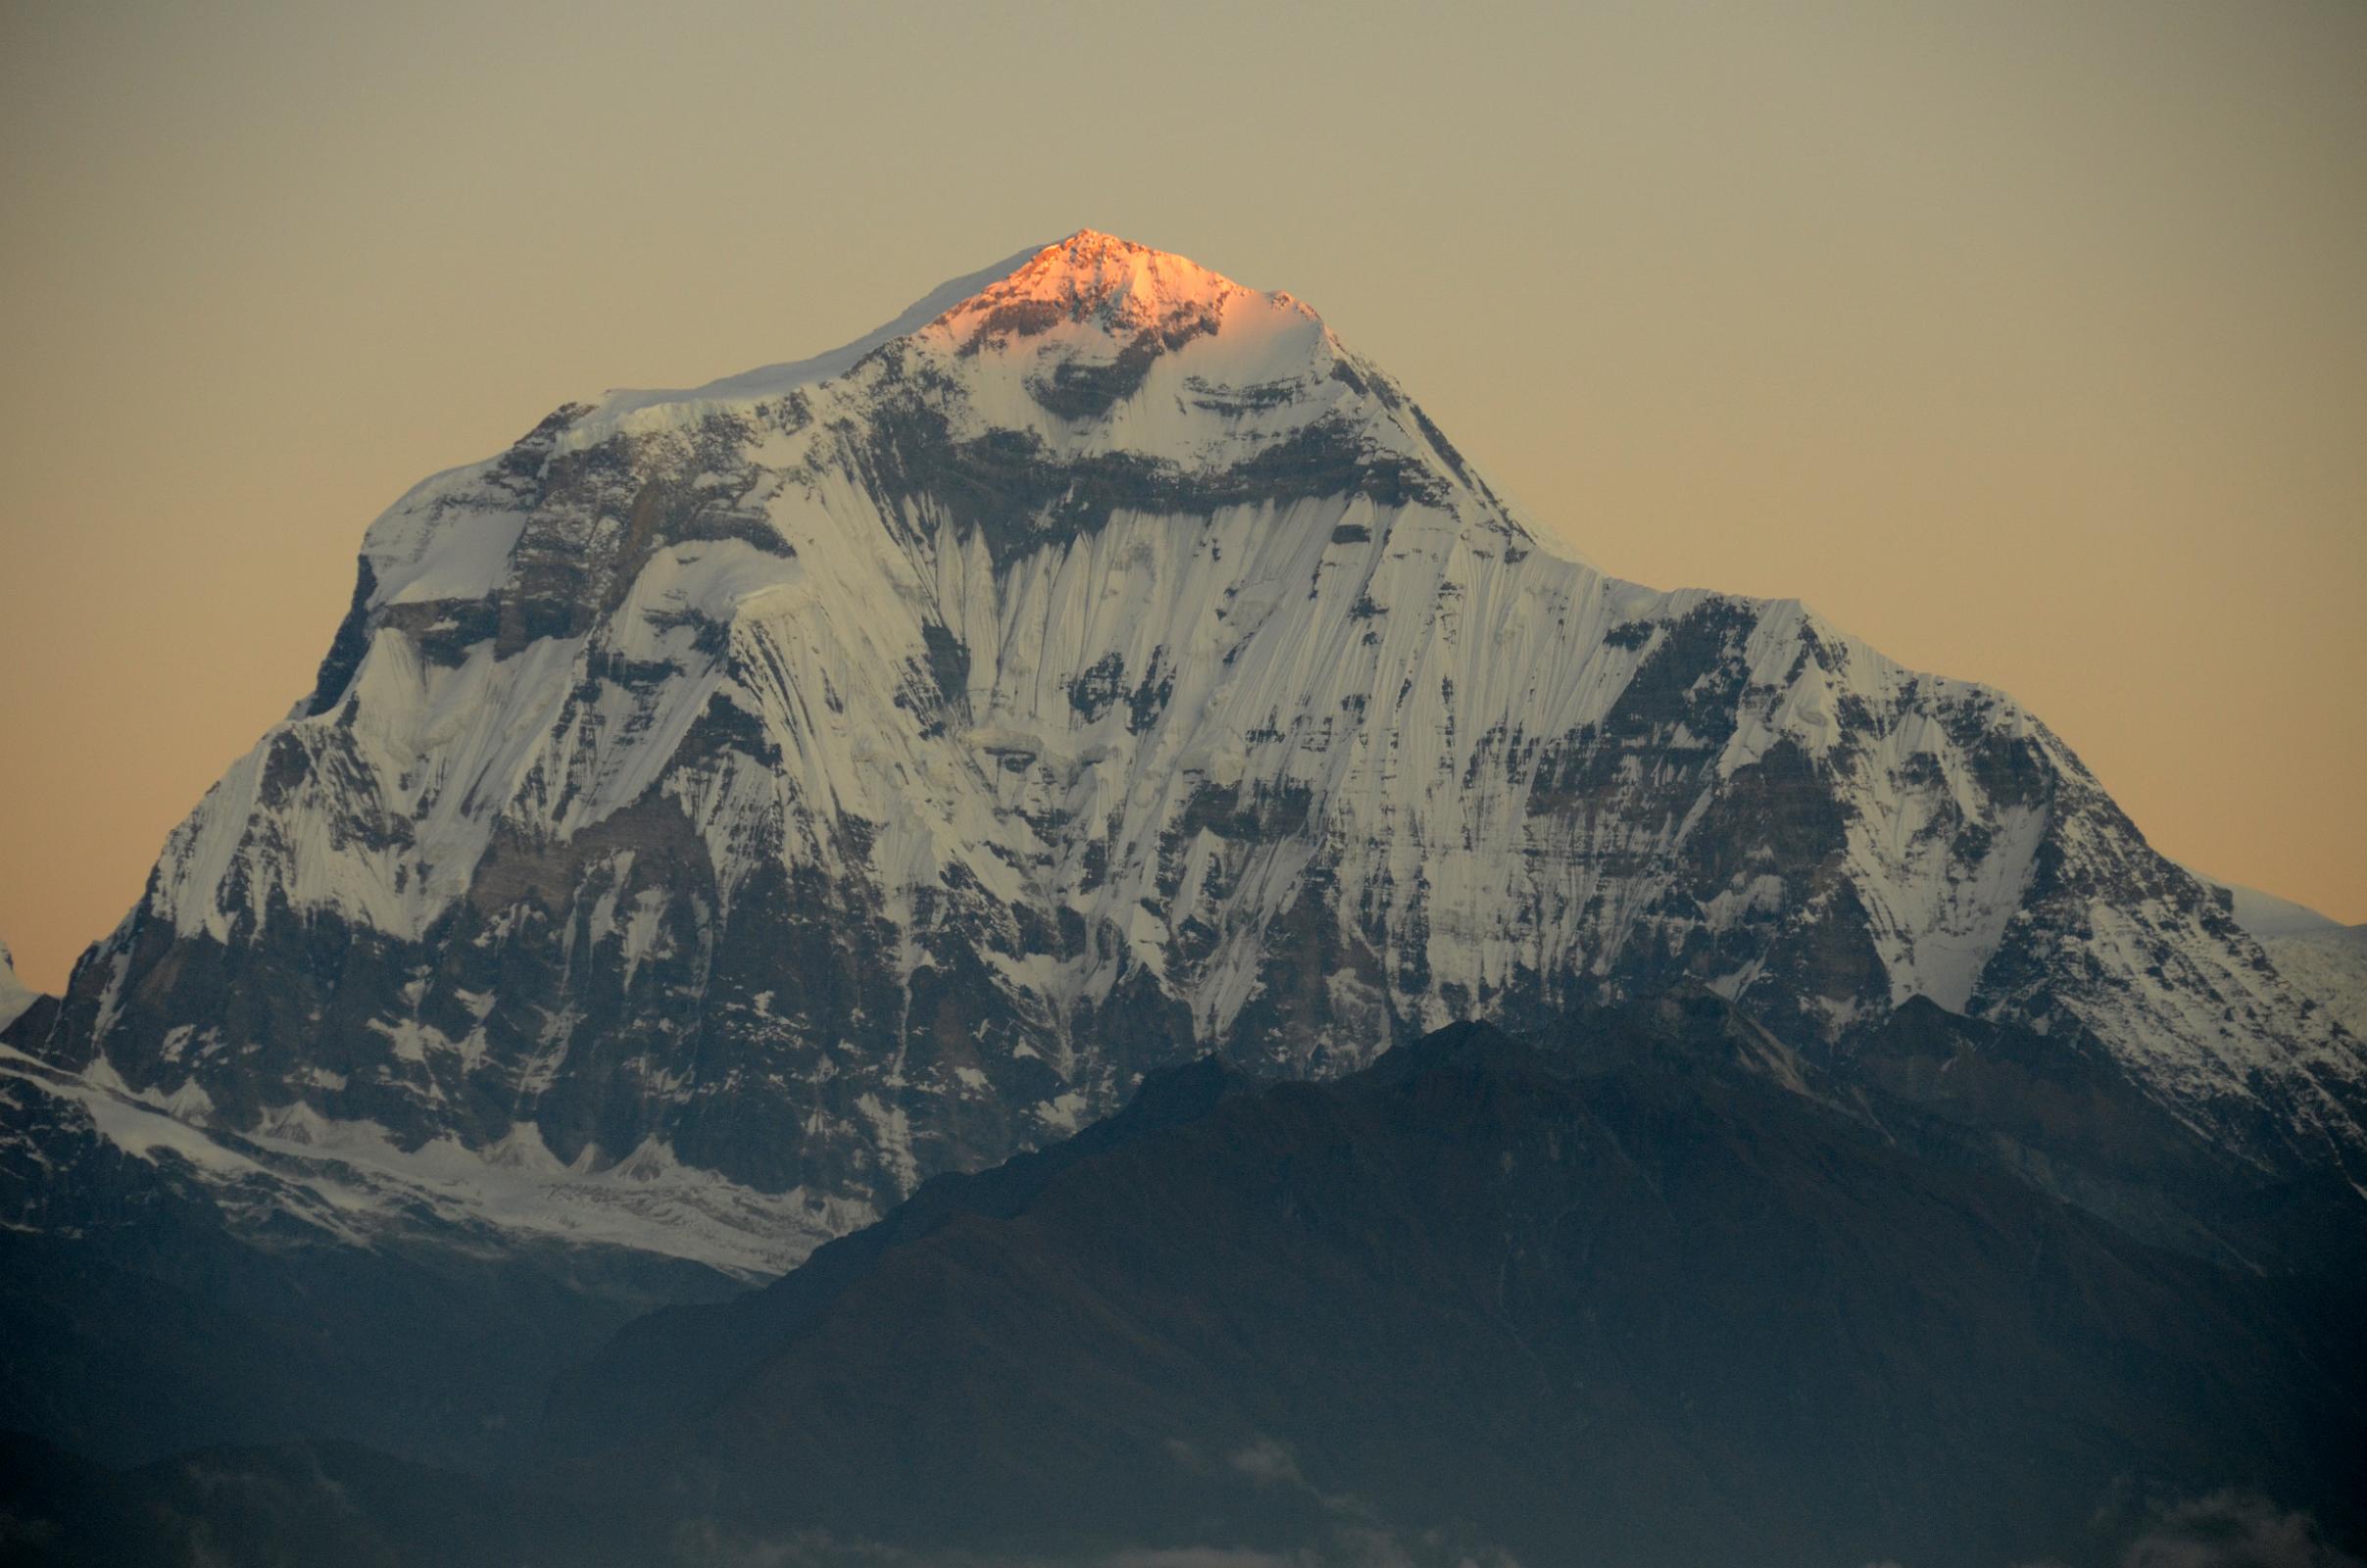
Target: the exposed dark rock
(1649, 1290)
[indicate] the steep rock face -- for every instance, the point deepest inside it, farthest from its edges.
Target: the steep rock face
(864, 769)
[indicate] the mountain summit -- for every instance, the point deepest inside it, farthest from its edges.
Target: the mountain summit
(726, 808)
(1117, 285)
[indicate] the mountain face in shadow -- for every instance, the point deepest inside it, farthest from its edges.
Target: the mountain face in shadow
(1644, 1288)
(1648, 1290)
(160, 1292)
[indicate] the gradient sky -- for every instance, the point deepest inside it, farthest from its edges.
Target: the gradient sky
(2028, 341)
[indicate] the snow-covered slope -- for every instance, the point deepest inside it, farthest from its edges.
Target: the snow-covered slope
(298, 1176)
(2331, 968)
(2318, 955)
(865, 767)
(15, 994)
(2265, 915)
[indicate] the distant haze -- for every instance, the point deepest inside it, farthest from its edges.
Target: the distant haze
(2027, 341)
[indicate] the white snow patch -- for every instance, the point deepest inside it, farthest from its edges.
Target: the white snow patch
(15, 994)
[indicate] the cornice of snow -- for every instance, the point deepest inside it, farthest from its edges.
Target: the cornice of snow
(774, 381)
(1114, 285)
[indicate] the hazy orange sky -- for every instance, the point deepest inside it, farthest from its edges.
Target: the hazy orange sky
(2027, 341)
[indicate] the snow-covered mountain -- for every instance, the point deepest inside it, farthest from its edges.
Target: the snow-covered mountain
(791, 788)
